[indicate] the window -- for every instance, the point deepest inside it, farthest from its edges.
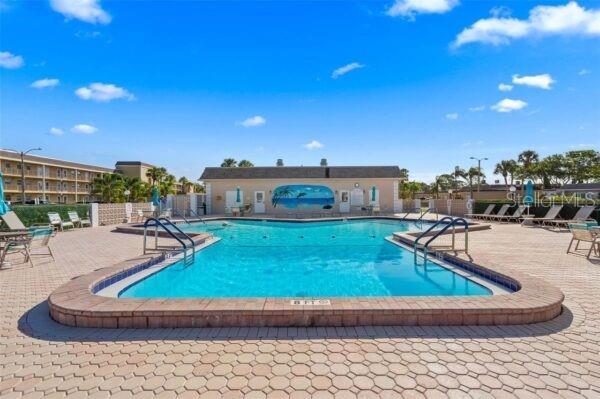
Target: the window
(344, 196)
(58, 173)
(260, 197)
(47, 185)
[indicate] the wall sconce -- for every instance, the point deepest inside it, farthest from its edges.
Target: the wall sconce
(356, 185)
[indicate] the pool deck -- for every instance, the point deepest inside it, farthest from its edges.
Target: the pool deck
(558, 358)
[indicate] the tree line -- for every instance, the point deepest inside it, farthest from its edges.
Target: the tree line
(582, 166)
(116, 188)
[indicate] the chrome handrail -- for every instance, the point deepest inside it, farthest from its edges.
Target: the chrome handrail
(158, 222)
(453, 223)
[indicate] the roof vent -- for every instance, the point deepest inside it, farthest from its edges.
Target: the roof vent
(279, 162)
(323, 161)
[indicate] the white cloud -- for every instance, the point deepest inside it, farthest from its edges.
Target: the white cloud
(103, 92)
(505, 87)
(84, 10)
(44, 83)
(84, 129)
(56, 131)
(10, 61)
(543, 81)
(313, 145)
(584, 72)
(453, 116)
(509, 105)
(345, 69)
(570, 19)
(478, 108)
(410, 8)
(254, 121)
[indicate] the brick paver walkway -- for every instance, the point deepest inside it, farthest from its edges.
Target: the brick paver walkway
(39, 358)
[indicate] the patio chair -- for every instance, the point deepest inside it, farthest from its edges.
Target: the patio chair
(552, 214)
(582, 232)
(14, 223)
(487, 212)
(501, 212)
(57, 222)
(582, 215)
(76, 220)
(516, 216)
(26, 244)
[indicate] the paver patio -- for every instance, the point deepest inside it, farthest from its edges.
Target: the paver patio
(560, 358)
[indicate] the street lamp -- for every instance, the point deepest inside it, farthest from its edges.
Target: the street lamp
(22, 154)
(479, 171)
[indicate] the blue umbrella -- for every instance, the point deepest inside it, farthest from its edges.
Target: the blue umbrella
(3, 205)
(237, 195)
(528, 199)
(373, 193)
(155, 196)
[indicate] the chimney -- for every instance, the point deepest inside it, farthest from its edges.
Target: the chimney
(323, 161)
(279, 162)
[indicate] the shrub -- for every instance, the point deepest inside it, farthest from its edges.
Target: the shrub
(33, 214)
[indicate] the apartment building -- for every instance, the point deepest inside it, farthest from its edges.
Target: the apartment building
(48, 179)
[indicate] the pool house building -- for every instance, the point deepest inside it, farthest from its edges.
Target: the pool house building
(295, 191)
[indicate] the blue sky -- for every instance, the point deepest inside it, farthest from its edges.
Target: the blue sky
(184, 84)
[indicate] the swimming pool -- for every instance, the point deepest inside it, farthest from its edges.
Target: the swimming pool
(303, 259)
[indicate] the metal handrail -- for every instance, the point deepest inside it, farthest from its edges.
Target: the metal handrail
(159, 222)
(453, 223)
(423, 234)
(423, 214)
(178, 230)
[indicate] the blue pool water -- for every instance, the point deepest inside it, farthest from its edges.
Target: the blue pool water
(320, 259)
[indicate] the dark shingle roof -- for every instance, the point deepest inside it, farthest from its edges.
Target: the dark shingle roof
(581, 186)
(302, 172)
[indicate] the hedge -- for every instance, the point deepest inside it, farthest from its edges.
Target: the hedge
(567, 211)
(32, 214)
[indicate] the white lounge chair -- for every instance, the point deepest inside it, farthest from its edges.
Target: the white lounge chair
(501, 212)
(487, 212)
(58, 223)
(14, 223)
(582, 215)
(552, 214)
(76, 220)
(516, 216)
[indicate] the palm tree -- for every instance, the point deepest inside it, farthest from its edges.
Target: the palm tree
(244, 163)
(473, 173)
(198, 188)
(458, 173)
(138, 190)
(156, 175)
(526, 160)
(167, 185)
(185, 184)
(229, 163)
(110, 186)
(528, 157)
(506, 168)
(441, 183)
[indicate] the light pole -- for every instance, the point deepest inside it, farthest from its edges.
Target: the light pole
(22, 154)
(479, 171)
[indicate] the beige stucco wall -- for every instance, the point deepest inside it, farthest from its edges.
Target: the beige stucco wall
(218, 188)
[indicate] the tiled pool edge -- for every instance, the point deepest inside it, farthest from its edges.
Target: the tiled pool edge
(75, 304)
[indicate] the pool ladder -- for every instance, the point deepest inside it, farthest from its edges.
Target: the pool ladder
(186, 242)
(450, 222)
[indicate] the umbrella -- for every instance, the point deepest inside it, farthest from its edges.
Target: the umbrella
(237, 195)
(528, 199)
(3, 205)
(373, 193)
(155, 198)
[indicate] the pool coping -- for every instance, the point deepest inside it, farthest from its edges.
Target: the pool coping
(76, 304)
